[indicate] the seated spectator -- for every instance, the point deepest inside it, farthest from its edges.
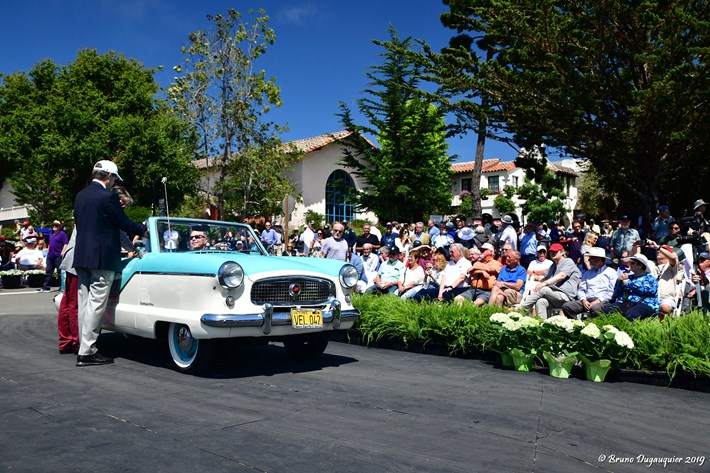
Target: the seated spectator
(370, 260)
(595, 289)
(671, 278)
(412, 278)
(8, 257)
(30, 257)
(435, 270)
(635, 296)
(559, 285)
(624, 266)
(483, 275)
(503, 257)
(575, 240)
(453, 282)
(538, 268)
(387, 278)
(402, 242)
(674, 239)
(510, 285)
(480, 237)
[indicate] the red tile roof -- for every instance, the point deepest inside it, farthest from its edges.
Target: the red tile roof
(489, 165)
(305, 146)
(496, 165)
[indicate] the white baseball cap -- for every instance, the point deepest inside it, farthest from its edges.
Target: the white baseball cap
(108, 166)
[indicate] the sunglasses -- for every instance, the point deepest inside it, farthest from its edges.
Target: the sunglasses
(195, 237)
(337, 231)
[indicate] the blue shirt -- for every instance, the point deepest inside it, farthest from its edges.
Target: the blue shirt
(388, 240)
(513, 275)
(528, 244)
(643, 289)
(433, 231)
(269, 236)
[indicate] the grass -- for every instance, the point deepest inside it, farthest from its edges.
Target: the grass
(676, 344)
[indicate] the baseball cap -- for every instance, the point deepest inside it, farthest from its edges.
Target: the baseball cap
(704, 255)
(557, 247)
(394, 249)
(487, 246)
(26, 223)
(542, 248)
(108, 166)
(663, 208)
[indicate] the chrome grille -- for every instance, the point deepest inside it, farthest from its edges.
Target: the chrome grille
(276, 291)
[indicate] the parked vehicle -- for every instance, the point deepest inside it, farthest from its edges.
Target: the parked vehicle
(230, 289)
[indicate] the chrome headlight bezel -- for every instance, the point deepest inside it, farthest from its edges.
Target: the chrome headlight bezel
(230, 275)
(348, 276)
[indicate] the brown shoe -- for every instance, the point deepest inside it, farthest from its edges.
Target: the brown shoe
(91, 360)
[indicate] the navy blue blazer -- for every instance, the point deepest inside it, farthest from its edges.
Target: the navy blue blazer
(99, 219)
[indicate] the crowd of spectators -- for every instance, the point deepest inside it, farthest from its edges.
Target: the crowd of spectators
(580, 270)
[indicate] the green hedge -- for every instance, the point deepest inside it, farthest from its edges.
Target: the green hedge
(679, 343)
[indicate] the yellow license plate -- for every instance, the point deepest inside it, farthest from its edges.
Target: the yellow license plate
(306, 318)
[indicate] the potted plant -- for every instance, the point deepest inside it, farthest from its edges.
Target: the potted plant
(484, 193)
(559, 338)
(518, 336)
(35, 277)
(11, 279)
(600, 348)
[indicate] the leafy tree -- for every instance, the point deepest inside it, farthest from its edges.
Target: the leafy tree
(409, 176)
(544, 197)
(621, 84)
(57, 121)
(224, 96)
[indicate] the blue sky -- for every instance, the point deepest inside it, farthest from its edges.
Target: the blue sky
(322, 51)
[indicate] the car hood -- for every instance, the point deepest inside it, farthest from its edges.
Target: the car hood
(209, 263)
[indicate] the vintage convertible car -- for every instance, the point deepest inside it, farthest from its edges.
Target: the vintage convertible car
(229, 290)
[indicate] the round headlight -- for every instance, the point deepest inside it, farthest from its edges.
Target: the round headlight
(230, 275)
(348, 276)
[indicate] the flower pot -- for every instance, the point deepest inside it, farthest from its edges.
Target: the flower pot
(11, 282)
(561, 365)
(506, 359)
(521, 361)
(35, 280)
(597, 370)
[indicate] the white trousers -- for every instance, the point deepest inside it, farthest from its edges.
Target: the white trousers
(94, 289)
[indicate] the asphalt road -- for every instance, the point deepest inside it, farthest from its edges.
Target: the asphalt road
(354, 410)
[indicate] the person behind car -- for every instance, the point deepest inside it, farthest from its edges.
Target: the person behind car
(198, 240)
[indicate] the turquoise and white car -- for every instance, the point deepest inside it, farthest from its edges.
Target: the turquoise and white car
(232, 290)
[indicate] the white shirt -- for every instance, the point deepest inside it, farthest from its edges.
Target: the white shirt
(454, 270)
(27, 257)
(508, 235)
(307, 239)
(170, 237)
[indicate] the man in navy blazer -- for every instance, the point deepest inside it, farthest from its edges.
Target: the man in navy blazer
(99, 219)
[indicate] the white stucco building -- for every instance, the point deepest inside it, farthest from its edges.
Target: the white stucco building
(496, 174)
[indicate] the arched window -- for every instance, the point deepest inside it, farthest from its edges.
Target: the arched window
(338, 196)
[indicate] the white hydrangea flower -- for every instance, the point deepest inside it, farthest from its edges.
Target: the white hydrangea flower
(512, 325)
(499, 317)
(527, 321)
(610, 328)
(578, 323)
(515, 315)
(561, 321)
(591, 330)
(623, 339)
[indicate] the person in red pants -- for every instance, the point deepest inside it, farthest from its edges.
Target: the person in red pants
(68, 318)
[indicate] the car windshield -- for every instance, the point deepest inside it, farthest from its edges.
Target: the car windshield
(182, 235)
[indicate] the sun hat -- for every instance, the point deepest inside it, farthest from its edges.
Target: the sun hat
(480, 230)
(466, 233)
(640, 258)
(506, 219)
(698, 203)
(109, 167)
(597, 252)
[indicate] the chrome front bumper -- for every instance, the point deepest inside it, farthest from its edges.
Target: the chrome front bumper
(268, 317)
